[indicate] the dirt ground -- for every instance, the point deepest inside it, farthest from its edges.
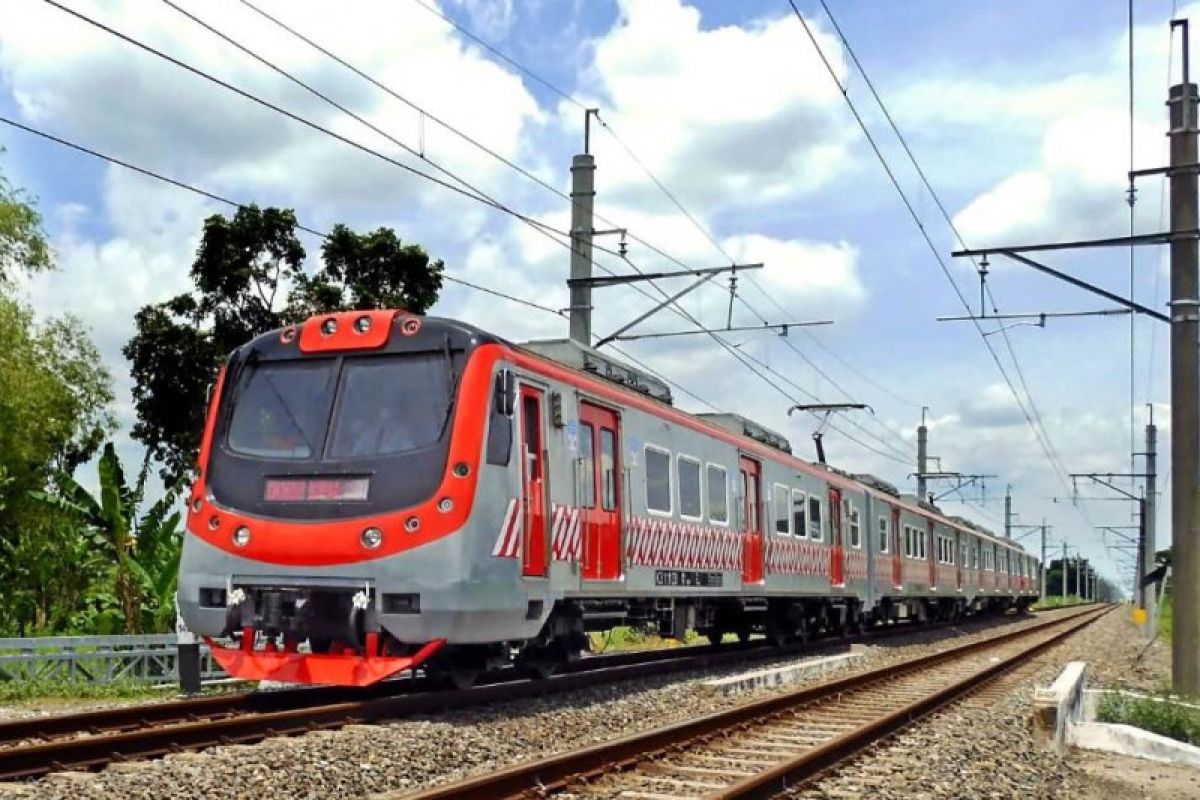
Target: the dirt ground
(1105, 776)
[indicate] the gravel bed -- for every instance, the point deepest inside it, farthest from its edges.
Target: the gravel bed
(418, 751)
(984, 747)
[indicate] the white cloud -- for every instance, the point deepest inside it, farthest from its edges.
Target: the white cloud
(736, 115)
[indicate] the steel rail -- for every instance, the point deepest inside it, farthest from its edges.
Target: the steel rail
(554, 773)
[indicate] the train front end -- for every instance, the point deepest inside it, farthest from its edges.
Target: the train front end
(340, 466)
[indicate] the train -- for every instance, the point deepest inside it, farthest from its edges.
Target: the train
(379, 491)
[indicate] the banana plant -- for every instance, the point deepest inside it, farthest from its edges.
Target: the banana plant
(144, 549)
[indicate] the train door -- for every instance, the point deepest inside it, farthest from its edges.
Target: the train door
(534, 546)
(600, 453)
(960, 555)
(931, 554)
(897, 553)
(837, 569)
(752, 531)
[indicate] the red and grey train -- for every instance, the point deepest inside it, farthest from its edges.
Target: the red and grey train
(379, 490)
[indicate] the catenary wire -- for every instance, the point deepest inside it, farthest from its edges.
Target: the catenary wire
(611, 131)
(1038, 431)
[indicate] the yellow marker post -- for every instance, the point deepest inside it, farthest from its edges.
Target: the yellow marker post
(1139, 616)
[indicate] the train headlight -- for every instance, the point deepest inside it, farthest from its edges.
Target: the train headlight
(241, 537)
(214, 522)
(329, 327)
(371, 538)
(412, 524)
(445, 505)
(362, 324)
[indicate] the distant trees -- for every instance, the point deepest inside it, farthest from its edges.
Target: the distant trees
(248, 278)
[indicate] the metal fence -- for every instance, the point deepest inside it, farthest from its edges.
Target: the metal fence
(151, 658)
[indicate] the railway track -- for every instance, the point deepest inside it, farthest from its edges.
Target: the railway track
(765, 747)
(31, 748)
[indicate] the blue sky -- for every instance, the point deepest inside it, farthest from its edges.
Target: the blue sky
(1015, 109)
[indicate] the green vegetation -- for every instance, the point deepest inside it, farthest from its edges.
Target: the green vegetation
(624, 637)
(1157, 715)
(1055, 601)
(17, 691)
(1166, 618)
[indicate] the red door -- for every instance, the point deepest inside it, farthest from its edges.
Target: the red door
(534, 547)
(600, 495)
(931, 554)
(752, 531)
(959, 558)
(837, 570)
(897, 555)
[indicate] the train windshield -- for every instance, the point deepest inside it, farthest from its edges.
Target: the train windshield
(368, 407)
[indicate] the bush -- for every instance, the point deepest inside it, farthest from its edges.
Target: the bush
(1157, 715)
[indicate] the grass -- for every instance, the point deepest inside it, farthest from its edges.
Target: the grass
(1157, 715)
(1166, 619)
(16, 691)
(1056, 601)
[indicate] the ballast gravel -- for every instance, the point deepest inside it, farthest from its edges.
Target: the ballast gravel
(414, 752)
(984, 747)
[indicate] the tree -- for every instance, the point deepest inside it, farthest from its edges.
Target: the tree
(23, 245)
(140, 551)
(249, 279)
(54, 413)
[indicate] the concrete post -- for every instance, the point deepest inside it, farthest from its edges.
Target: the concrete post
(1008, 513)
(1149, 511)
(1185, 385)
(1042, 563)
(583, 197)
(922, 457)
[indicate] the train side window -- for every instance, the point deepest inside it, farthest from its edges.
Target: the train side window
(883, 534)
(658, 481)
(855, 527)
(799, 521)
(922, 539)
(816, 531)
(587, 465)
(717, 480)
(781, 509)
(532, 420)
(689, 488)
(908, 548)
(500, 424)
(608, 469)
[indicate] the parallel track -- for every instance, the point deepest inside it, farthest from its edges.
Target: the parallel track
(765, 747)
(33, 747)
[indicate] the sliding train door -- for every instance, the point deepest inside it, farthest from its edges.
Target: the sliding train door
(752, 532)
(534, 546)
(600, 454)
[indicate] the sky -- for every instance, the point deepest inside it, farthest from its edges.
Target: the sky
(1017, 112)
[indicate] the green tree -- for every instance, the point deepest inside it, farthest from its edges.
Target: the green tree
(249, 278)
(54, 413)
(141, 551)
(23, 245)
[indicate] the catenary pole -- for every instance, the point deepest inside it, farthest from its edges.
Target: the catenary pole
(583, 198)
(1149, 516)
(1008, 512)
(1185, 383)
(1042, 563)
(922, 457)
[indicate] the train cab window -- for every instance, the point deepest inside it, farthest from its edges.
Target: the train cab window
(781, 509)
(658, 480)
(281, 409)
(587, 465)
(717, 481)
(689, 488)
(816, 531)
(380, 412)
(531, 422)
(500, 422)
(884, 534)
(608, 469)
(799, 521)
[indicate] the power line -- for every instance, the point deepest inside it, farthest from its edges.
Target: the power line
(611, 131)
(235, 204)
(1039, 433)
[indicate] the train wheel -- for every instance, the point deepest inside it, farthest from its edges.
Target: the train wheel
(715, 636)
(743, 635)
(461, 679)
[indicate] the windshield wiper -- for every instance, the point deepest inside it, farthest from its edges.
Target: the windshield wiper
(451, 387)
